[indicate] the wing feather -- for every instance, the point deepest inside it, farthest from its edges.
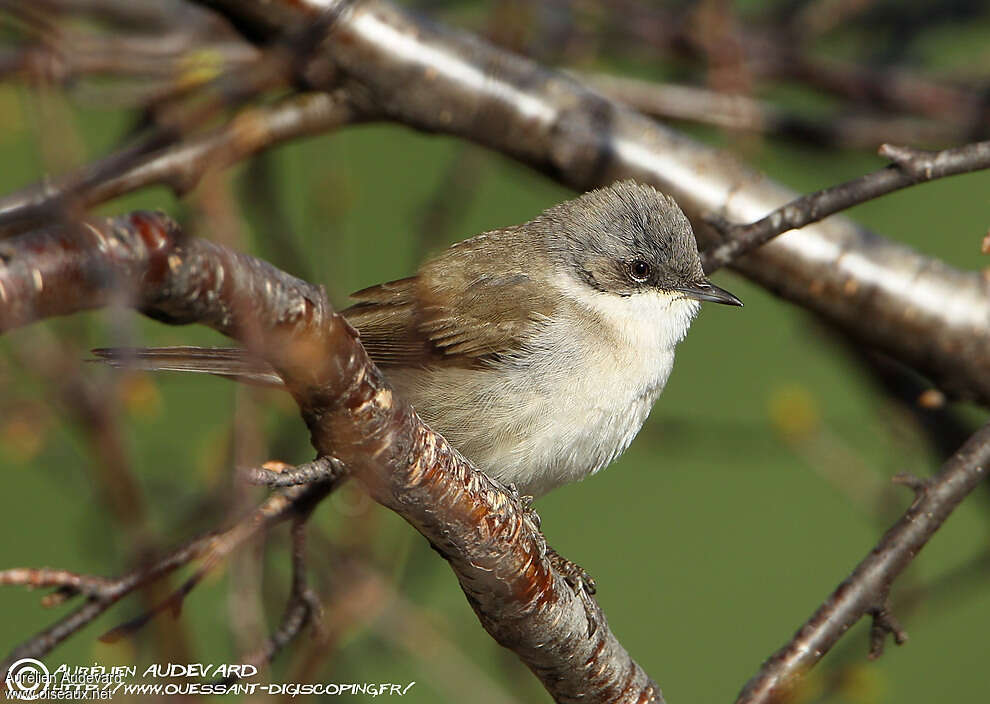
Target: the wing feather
(229, 362)
(476, 302)
(435, 318)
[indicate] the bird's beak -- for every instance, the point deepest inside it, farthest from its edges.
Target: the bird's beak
(705, 290)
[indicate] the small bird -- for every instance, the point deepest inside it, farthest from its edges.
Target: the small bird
(537, 350)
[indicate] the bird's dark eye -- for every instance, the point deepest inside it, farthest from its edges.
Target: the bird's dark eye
(639, 270)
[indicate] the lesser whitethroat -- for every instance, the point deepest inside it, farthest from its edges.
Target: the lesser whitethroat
(538, 349)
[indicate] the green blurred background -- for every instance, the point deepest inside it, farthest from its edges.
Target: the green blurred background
(759, 481)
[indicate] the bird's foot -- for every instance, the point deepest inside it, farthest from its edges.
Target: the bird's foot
(577, 578)
(575, 575)
(581, 583)
(524, 503)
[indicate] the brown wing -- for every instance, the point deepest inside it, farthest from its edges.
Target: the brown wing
(476, 301)
(456, 311)
(385, 316)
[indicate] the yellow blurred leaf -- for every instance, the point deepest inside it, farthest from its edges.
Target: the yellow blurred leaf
(12, 121)
(794, 411)
(140, 395)
(808, 688)
(199, 67)
(212, 453)
(23, 435)
(863, 684)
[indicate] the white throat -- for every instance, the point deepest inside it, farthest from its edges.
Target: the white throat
(649, 322)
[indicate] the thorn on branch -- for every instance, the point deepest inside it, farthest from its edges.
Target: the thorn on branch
(917, 162)
(58, 597)
(916, 484)
(884, 623)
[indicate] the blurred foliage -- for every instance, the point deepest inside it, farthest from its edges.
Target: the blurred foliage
(728, 521)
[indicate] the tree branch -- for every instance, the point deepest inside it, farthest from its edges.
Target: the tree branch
(741, 112)
(159, 156)
(910, 167)
(281, 474)
(866, 591)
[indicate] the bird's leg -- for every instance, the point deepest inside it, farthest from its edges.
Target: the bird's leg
(574, 574)
(580, 582)
(525, 505)
(577, 578)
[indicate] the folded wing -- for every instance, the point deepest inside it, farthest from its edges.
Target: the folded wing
(458, 311)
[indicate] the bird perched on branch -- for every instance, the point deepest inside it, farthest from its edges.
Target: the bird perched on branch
(538, 349)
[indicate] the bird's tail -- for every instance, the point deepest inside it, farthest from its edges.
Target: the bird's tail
(229, 362)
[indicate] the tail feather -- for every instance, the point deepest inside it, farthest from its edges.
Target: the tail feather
(228, 362)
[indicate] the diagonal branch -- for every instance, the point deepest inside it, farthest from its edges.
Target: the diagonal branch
(670, 101)
(488, 536)
(866, 591)
(910, 167)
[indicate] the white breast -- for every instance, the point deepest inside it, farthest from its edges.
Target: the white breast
(569, 404)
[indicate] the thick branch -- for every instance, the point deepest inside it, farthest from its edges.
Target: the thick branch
(741, 112)
(435, 79)
(490, 540)
(866, 590)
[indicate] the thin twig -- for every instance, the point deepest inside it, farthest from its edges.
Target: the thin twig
(910, 167)
(302, 607)
(866, 591)
(101, 593)
(318, 470)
